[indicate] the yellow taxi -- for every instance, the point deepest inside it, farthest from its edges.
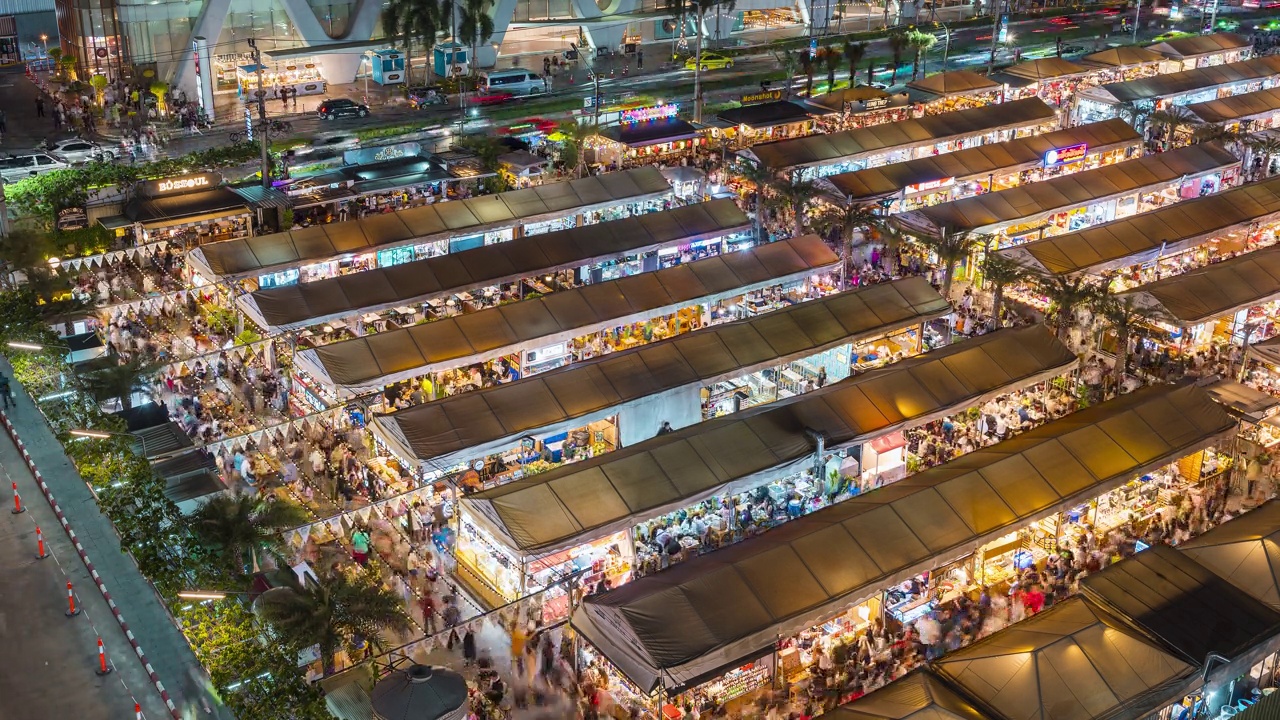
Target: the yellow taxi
(710, 61)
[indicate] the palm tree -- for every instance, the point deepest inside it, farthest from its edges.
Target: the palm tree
(334, 614)
(809, 65)
(920, 42)
(235, 527)
(846, 219)
(475, 27)
(795, 196)
(1133, 113)
(409, 20)
(1066, 296)
(700, 8)
(1265, 147)
(892, 239)
(853, 53)
(951, 246)
(761, 177)
(574, 144)
(1172, 119)
(1001, 272)
(899, 41)
(790, 62)
(114, 380)
(832, 58)
(1126, 318)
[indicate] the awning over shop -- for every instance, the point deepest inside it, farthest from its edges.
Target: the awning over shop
(1122, 57)
(873, 183)
(1215, 290)
(1052, 68)
(918, 695)
(1143, 238)
(653, 132)
(766, 115)
(1184, 605)
(1238, 107)
(296, 306)
(837, 101)
(1074, 661)
(250, 257)
(955, 82)
(1243, 401)
(369, 363)
(475, 424)
(1267, 351)
(1245, 552)
(260, 197)
(728, 607)
(861, 142)
(1179, 83)
(1027, 203)
(1197, 45)
(580, 502)
(186, 208)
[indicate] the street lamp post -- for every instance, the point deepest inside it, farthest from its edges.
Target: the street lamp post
(368, 55)
(45, 39)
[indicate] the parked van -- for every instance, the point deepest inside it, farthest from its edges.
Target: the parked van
(515, 81)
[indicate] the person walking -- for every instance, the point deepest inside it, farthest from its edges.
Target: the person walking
(5, 392)
(360, 546)
(40, 106)
(4, 126)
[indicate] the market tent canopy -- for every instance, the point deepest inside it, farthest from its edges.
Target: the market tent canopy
(1179, 83)
(1242, 400)
(1045, 69)
(1267, 350)
(297, 306)
(1184, 605)
(1074, 661)
(918, 695)
(1197, 45)
(836, 101)
(766, 115)
(1142, 238)
(1026, 203)
(475, 424)
(1245, 552)
(728, 607)
(251, 257)
(1123, 56)
(1215, 290)
(652, 132)
(1238, 107)
(861, 142)
(980, 161)
(580, 502)
(169, 210)
(369, 363)
(956, 82)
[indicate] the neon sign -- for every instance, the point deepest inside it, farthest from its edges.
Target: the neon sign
(930, 185)
(187, 183)
(1063, 156)
(657, 112)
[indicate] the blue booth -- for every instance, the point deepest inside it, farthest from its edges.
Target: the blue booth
(450, 55)
(387, 67)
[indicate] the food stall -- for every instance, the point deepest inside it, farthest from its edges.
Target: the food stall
(1248, 113)
(1200, 51)
(522, 168)
(862, 106)
(1181, 88)
(644, 135)
(762, 122)
(302, 76)
(955, 90)
(1053, 80)
(188, 210)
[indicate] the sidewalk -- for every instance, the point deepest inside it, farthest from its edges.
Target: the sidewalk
(149, 621)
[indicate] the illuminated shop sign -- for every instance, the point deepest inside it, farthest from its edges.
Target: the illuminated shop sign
(1065, 155)
(931, 185)
(185, 183)
(657, 112)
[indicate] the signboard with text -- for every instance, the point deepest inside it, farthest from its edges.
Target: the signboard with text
(762, 97)
(180, 185)
(657, 112)
(1063, 156)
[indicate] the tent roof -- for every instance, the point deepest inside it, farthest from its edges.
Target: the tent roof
(1141, 238)
(651, 132)
(1123, 56)
(956, 82)
(766, 115)
(850, 144)
(872, 183)
(1191, 80)
(483, 422)
(838, 99)
(1183, 604)
(1074, 661)
(1214, 290)
(1268, 350)
(373, 361)
(1245, 552)
(1045, 69)
(1238, 107)
(726, 607)
(1242, 400)
(1197, 45)
(918, 695)
(579, 502)
(295, 306)
(186, 207)
(253, 256)
(1027, 202)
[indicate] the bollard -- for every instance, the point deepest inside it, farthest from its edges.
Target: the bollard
(17, 501)
(72, 610)
(102, 659)
(137, 710)
(40, 544)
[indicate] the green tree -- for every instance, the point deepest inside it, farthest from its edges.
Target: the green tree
(486, 148)
(790, 62)
(809, 65)
(794, 196)
(920, 43)
(831, 59)
(234, 528)
(845, 219)
(1066, 296)
(1265, 147)
(1126, 317)
(573, 147)
(1134, 114)
(1001, 272)
(334, 614)
(759, 176)
(899, 40)
(1173, 119)
(950, 247)
(407, 21)
(475, 26)
(853, 54)
(23, 249)
(112, 380)
(892, 239)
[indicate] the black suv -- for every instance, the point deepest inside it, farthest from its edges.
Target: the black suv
(332, 109)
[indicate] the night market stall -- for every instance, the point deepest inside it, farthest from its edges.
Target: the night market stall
(1180, 88)
(955, 90)
(1200, 51)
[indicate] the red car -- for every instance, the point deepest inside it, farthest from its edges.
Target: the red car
(493, 98)
(1060, 20)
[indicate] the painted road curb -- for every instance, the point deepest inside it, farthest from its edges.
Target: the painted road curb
(84, 557)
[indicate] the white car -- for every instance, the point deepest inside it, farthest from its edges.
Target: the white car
(21, 167)
(77, 151)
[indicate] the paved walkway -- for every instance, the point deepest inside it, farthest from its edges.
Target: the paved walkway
(165, 647)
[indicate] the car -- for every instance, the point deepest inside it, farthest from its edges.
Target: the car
(420, 97)
(1072, 49)
(491, 98)
(25, 165)
(334, 108)
(1110, 11)
(76, 151)
(876, 85)
(1060, 20)
(710, 61)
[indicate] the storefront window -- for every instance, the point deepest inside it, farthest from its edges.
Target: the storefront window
(395, 256)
